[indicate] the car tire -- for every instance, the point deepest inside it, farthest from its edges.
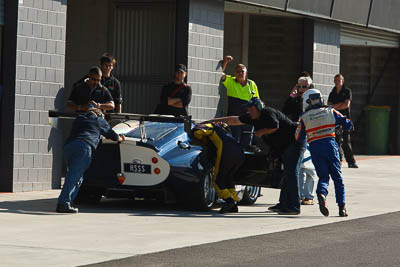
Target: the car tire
(250, 195)
(207, 195)
(86, 196)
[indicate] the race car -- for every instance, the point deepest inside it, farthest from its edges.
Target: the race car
(159, 159)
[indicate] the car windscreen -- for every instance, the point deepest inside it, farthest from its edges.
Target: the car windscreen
(154, 130)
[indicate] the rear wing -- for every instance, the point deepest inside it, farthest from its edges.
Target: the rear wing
(186, 120)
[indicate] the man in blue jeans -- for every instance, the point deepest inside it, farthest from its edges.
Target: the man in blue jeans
(84, 138)
(278, 131)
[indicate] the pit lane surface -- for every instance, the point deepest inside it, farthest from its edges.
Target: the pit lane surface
(372, 241)
(32, 234)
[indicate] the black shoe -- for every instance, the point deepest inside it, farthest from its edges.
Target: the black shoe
(61, 208)
(288, 212)
(353, 165)
(322, 205)
(228, 206)
(343, 211)
(234, 209)
(275, 208)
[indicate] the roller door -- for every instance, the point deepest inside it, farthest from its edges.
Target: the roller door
(358, 36)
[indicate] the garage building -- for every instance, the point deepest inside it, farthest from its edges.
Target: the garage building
(46, 45)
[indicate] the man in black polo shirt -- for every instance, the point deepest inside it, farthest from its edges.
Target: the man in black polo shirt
(90, 92)
(340, 98)
(278, 131)
(108, 80)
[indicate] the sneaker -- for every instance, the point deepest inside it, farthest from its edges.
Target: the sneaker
(343, 211)
(322, 205)
(353, 165)
(228, 206)
(275, 208)
(307, 201)
(288, 212)
(61, 208)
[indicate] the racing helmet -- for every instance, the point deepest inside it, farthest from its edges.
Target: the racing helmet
(312, 97)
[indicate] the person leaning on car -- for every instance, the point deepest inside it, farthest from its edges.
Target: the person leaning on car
(90, 92)
(229, 157)
(278, 131)
(82, 141)
(176, 95)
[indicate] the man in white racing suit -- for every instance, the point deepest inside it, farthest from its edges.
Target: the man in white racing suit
(318, 123)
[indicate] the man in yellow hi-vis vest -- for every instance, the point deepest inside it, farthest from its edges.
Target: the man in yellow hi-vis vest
(229, 157)
(239, 90)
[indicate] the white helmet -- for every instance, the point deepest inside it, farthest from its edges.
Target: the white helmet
(312, 97)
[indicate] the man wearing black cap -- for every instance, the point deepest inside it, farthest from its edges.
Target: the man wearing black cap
(278, 131)
(176, 95)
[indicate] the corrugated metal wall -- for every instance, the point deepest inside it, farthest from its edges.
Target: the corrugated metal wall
(1, 12)
(275, 56)
(364, 69)
(143, 41)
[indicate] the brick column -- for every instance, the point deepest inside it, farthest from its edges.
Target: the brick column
(39, 78)
(205, 49)
(326, 55)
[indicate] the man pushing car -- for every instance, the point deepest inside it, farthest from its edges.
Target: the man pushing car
(78, 149)
(229, 157)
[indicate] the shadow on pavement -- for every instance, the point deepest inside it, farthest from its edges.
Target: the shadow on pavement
(33, 207)
(131, 207)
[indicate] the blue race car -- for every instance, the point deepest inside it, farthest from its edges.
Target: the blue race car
(159, 159)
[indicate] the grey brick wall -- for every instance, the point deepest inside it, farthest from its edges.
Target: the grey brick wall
(205, 49)
(39, 78)
(326, 55)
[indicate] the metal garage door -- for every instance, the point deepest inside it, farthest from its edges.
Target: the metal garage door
(350, 35)
(143, 37)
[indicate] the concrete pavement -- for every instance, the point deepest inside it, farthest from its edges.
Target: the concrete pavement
(33, 234)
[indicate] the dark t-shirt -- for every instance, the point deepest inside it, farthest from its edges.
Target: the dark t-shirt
(184, 93)
(111, 83)
(293, 107)
(271, 118)
(114, 86)
(88, 127)
(343, 95)
(82, 94)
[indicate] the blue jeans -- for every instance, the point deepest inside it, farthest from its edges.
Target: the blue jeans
(78, 155)
(306, 183)
(289, 197)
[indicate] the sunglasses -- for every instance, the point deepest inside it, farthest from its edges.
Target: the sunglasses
(303, 86)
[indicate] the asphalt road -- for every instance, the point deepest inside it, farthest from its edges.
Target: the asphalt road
(371, 241)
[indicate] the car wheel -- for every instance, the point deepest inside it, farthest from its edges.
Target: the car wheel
(207, 192)
(86, 196)
(250, 195)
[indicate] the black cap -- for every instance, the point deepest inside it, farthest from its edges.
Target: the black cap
(180, 67)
